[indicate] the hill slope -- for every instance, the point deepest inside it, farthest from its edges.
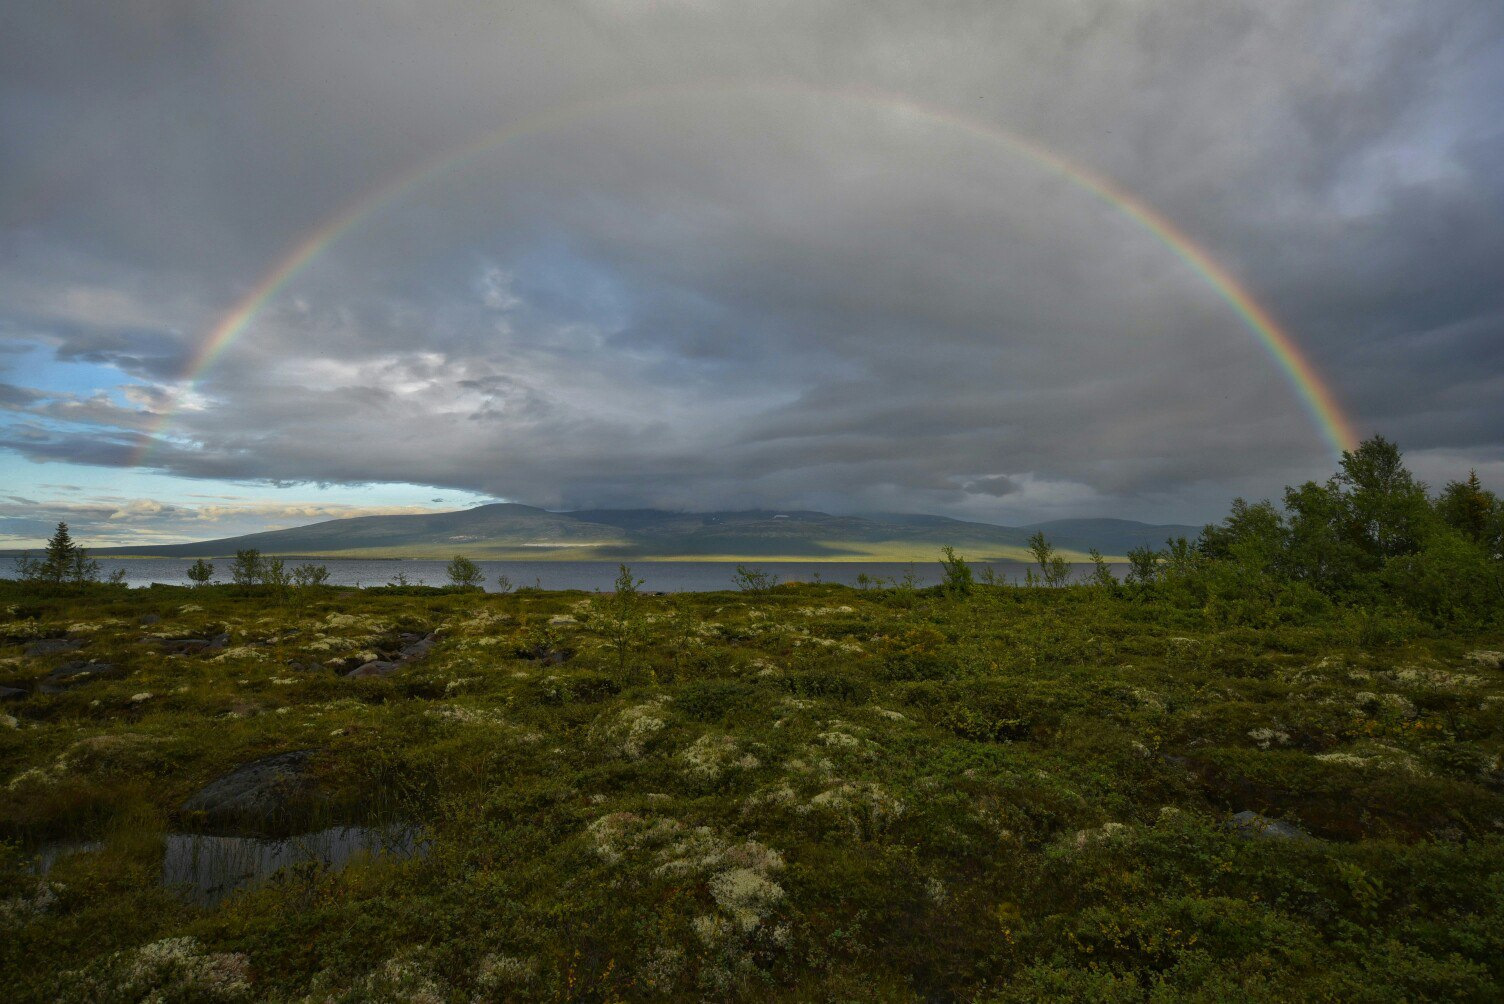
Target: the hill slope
(509, 530)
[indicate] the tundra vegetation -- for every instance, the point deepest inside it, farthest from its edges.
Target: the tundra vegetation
(1269, 766)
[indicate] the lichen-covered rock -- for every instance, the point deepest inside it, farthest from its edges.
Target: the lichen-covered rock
(264, 796)
(1252, 826)
(376, 668)
(53, 646)
(70, 675)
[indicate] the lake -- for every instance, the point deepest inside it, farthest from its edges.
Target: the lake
(657, 576)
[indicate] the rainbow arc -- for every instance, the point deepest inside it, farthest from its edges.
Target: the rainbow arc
(1314, 392)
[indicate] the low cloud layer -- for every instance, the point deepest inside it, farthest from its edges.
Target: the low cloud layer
(727, 259)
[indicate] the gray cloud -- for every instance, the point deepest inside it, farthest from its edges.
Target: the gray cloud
(758, 283)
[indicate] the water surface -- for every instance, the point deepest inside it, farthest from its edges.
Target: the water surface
(658, 576)
(208, 868)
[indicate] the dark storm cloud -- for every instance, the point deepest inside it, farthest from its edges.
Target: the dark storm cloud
(777, 293)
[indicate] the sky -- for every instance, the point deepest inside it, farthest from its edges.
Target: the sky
(268, 263)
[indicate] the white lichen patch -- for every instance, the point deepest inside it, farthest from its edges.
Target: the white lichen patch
(712, 755)
(171, 969)
(632, 731)
(17, 910)
(1097, 834)
(745, 897)
(241, 652)
(498, 972)
(860, 806)
(1376, 756)
(1267, 737)
(1434, 678)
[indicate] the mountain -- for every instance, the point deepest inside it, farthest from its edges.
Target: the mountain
(512, 531)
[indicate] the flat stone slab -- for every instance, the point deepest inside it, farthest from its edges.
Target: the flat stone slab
(1252, 826)
(418, 649)
(13, 694)
(53, 646)
(263, 796)
(370, 670)
(185, 646)
(71, 674)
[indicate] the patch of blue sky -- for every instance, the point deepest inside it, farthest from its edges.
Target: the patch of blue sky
(36, 366)
(61, 480)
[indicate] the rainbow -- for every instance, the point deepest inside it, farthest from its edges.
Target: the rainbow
(1314, 392)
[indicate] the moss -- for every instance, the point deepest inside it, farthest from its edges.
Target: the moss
(813, 793)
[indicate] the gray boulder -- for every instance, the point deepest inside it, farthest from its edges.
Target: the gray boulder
(187, 646)
(1252, 826)
(53, 646)
(372, 669)
(417, 649)
(71, 674)
(270, 795)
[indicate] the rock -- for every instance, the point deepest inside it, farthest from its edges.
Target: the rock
(418, 649)
(370, 669)
(182, 646)
(71, 674)
(13, 694)
(149, 619)
(1252, 826)
(52, 646)
(266, 796)
(186, 646)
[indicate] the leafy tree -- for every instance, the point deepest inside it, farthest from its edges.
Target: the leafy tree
(957, 581)
(620, 616)
(249, 569)
(1256, 531)
(1317, 551)
(1101, 572)
(1143, 566)
(308, 575)
(1448, 580)
(201, 572)
(503, 584)
(465, 573)
(753, 580)
(1386, 509)
(274, 575)
(1054, 569)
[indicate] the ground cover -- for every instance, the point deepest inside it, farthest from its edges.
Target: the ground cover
(810, 792)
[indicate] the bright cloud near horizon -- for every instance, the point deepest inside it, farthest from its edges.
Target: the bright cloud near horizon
(262, 264)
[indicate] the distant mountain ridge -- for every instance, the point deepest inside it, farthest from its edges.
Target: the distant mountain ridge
(509, 530)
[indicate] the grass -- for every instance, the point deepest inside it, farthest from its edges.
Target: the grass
(815, 793)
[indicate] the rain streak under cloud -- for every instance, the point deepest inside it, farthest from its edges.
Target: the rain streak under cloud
(734, 255)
